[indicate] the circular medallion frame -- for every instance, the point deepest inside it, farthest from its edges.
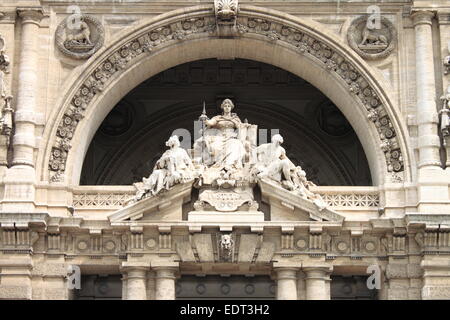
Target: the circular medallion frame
(98, 37)
(354, 36)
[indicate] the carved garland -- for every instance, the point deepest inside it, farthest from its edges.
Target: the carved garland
(303, 42)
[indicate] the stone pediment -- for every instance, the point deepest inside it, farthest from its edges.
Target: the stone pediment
(276, 195)
(165, 206)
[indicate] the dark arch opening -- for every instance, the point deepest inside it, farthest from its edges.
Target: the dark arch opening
(317, 135)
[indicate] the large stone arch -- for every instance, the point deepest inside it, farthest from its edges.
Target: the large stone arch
(190, 34)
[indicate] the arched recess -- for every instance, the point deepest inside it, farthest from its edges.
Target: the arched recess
(263, 35)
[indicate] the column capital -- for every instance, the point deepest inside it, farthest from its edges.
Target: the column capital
(133, 266)
(286, 273)
(165, 272)
(320, 271)
(30, 14)
(8, 17)
(422, 17)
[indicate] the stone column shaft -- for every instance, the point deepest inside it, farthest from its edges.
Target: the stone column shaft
(317, 283)
(427, 117)
(136, 284)
(24, 137)
(286, 283)
(165, 284)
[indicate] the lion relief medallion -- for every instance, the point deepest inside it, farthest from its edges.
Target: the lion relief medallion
(372, 41)
(80, 36)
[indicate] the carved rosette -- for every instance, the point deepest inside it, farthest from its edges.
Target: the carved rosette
(80, 36)
(372, 44)
(298, 39)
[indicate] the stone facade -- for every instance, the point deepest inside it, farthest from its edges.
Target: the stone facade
(62, 70)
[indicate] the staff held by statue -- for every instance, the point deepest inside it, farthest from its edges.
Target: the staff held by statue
(203, 117)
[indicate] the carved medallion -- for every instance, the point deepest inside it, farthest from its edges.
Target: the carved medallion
(372, 41)
(80, 36)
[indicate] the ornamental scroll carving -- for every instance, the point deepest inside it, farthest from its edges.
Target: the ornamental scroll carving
(248, 25)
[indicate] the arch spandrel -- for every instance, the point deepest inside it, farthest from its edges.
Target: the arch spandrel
(262, 35)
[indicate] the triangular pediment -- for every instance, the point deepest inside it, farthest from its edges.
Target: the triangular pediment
(274, 193)
(165, 206)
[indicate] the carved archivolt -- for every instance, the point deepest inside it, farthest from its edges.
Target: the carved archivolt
(80, 36)
(372, 43)
(298, 39)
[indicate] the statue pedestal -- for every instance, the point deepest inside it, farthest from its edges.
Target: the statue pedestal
(219, 217)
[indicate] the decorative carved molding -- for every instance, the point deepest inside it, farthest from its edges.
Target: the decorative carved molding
(93, 200)
(82, 40)
(373, 43)
(299, 39)
(115, 200)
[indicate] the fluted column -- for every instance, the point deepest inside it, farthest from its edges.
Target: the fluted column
(286, 283)
(318, 283)
(24, 138)
(165, 283)
(427, 117)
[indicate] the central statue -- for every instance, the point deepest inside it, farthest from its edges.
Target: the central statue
(226, 164)
(220, 144)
